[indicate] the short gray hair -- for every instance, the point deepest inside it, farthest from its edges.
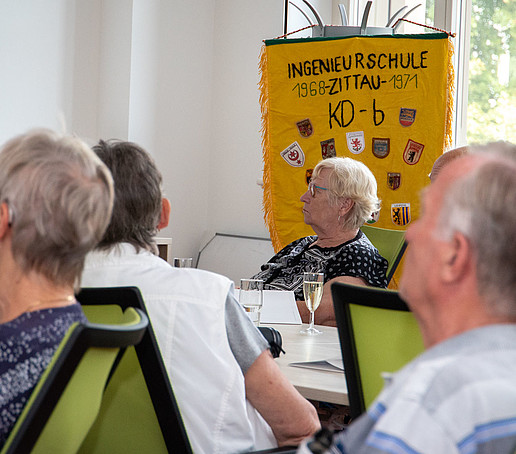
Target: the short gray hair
(482, 206)
(138, 195)
(351, 179)
(60, 196)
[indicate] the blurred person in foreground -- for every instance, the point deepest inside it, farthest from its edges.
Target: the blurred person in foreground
(341, 197)
(56, 198)
(230, 391)
(459, 279)
(445, 159)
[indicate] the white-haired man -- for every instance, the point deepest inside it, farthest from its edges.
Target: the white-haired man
(459, 280)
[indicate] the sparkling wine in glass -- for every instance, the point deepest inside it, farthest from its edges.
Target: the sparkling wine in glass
(312, 290)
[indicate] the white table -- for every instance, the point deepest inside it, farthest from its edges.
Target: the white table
(312, 384)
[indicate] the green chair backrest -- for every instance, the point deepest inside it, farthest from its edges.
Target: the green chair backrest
(139, 412)
(377, 333)
(65, 402)
(390, 244)
(385, 340)
(127, 421)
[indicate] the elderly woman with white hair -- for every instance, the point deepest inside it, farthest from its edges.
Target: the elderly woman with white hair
(341, 197)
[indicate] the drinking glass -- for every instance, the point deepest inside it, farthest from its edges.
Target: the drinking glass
(312, 290)
(251, 298)
(182, 262)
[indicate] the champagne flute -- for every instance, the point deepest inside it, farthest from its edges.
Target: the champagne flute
(312, 290)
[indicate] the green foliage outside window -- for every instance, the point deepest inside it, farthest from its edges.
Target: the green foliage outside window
(492, 72)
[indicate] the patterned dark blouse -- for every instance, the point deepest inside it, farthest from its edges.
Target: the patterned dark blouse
(27, 345)
(357, 258)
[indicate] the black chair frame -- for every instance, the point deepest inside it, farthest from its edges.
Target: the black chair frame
(342, 295)
(154, 371)
(397, 261)
(83, 337)
(152, 366)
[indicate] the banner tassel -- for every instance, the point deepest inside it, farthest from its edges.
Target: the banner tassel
(450, 94)
(264, 106)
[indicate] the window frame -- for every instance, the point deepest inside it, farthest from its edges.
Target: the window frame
(454, 16)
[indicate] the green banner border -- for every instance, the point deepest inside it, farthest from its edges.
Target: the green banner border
(272, 42)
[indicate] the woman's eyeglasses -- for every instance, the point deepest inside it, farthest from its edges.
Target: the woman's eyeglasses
(312, 187)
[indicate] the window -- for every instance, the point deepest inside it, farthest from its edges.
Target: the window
(491, 109)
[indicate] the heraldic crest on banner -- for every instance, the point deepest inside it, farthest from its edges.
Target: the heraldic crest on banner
(384, 100)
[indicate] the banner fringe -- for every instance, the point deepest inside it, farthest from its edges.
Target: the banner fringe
(450, 94)
(264, 107)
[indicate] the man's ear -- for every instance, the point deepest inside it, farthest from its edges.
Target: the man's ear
(4, 219)
(457, 258)
(165, 213)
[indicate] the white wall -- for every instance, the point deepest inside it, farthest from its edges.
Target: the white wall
(178, 77)
(236, 158)
(170, 114)
(34, 75)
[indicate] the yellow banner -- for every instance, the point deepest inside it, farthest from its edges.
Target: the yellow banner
(386, 101)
